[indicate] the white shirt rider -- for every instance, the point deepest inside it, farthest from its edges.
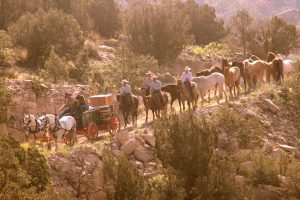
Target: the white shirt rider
(186, 76)
(155, 85)
(126, 89)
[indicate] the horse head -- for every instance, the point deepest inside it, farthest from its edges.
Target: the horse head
(28, 122)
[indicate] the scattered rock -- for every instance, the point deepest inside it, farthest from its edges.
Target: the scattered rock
(130, 146)
(150, 139)
(122, 136)
(143, 155)
(287, 148)
(271, 106)
(151, 174)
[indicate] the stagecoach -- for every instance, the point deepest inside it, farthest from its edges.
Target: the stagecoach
(102, 115)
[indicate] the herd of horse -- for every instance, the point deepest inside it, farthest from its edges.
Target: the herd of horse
(254, 72)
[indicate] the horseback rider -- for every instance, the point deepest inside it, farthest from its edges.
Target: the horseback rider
(186, 78)
(155, 89)
(70, 106)
(148, 82)
(126, 92)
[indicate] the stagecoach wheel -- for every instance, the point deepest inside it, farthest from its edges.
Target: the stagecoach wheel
(114, 125)
(92, 131)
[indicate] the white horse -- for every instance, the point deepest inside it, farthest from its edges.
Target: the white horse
(63, 127)
(31, 125)
(207, 83)
(288, 66)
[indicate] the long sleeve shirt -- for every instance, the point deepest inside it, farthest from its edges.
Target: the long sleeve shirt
(148, 81)
(186, 76)
(126, 89)
(156, 85)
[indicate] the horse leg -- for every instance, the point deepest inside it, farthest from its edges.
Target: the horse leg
(146, 115)
(153, 114)
(179, 102)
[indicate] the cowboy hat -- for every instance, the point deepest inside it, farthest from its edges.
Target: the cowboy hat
(187, 68)
(125, 81)
(149, 73)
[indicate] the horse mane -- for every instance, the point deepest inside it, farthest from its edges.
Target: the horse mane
(271, 56)
(254, 58)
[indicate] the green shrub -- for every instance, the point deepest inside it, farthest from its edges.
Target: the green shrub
(23, 173)
(127, 65)
(292, 104)
(4, 101)
(186, 144)
(8, 55)
(212, 49)
(266, 169)
(221, 183)
(123, 176)
(44, 30)
(246, 130)
(55, 68)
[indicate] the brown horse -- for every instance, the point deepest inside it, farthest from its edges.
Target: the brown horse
(275, 67)
(186, 96)
(173, 90)
(207, 72)
(153, 102)
(232, 79)
(241, 66)
(127, 107)
(255, 71)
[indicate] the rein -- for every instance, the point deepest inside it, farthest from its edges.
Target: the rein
(36, 130)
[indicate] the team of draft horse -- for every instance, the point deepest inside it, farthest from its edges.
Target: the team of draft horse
(254, 72)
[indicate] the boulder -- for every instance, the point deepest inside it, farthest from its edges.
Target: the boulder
(271, 106)
(130, 146)
(150, 139)
(143, 155)
(122, 136)
(287, 148)
(27, 84)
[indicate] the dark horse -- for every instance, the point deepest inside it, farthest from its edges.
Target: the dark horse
(174, 92)
(126, 108)
(153, 102)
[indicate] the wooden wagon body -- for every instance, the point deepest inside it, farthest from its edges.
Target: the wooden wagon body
(102, 115)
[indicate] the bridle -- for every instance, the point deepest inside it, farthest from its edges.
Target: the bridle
(28, 127)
